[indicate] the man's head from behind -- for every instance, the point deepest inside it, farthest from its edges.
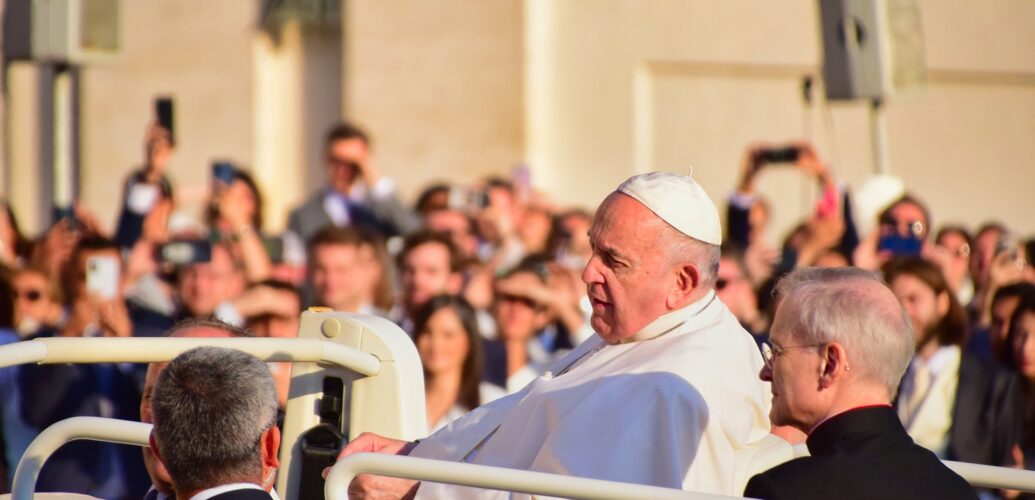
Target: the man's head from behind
(655, 249)
(215, 416)
(839, 340)
(188, 328)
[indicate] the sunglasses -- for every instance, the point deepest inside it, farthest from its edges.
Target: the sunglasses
(506, 297)
(30, 295)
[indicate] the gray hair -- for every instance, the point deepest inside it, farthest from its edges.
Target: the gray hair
(212, 322)
(682, 248)
(211, 406)
(856, 309)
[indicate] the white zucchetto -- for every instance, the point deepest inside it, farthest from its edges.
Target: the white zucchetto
(679, 201)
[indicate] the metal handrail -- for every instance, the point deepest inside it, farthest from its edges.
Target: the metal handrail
(541, 483)
(70, 429)
(151, 350)
(496, 478)
(988, 476)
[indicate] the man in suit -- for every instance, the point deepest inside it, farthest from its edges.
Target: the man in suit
(839, 344)
(346, 201)
(161, 485)
(215, 414)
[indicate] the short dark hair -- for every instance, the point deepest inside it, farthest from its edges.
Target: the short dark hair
(954, 229)
(334, 235)
(426, 236)
(1022, 289)
(342, 131)
(952, 329)
(427, 202)
(211, 406)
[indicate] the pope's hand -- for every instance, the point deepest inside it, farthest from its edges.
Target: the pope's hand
(369, 486)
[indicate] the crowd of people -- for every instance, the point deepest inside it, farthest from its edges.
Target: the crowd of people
(497, 285)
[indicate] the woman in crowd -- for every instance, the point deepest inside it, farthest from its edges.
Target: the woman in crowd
(235, 216)
(952, 402)
(1021, 344)
(450, 351)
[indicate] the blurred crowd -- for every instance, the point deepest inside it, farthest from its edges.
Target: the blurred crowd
(486, 280)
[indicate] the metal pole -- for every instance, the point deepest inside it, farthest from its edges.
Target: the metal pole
(879, 137)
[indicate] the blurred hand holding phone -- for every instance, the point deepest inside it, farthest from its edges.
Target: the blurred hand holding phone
(164, 116)
(905, 241)
(467, 199)
(102, 276)
(184, 252)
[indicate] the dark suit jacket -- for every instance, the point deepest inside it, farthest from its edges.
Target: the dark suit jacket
(862, 453)
(388, 216)
(50, 393)
(988, 414)
(245, 494)
(988, 418)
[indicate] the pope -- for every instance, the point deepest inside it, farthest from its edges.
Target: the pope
(663, 394)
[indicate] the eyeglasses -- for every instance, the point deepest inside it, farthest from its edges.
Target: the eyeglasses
(335, 161)
(771, 352)
(30, 295)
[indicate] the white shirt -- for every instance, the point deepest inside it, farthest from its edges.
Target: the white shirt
(930, 424)
(219, 490)
(669, 411)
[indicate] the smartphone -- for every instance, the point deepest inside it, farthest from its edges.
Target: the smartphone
(1007, 243)
(900, 245)
(102, 276)
(274, 246)
(66, 213)
(164, 115)
(185, 252)
(779, 155)
(461, 198)
(224, 172)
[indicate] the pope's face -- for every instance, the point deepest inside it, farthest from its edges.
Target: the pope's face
(627, 276)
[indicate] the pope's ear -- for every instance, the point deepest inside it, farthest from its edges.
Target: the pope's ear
(688, 277)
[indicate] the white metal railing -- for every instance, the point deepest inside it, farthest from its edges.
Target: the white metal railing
(987, 476)
(152, 350)
(479, 476)
(540, 483)
(496, 478)
(48, 441)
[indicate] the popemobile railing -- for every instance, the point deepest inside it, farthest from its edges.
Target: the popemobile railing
(376, 385)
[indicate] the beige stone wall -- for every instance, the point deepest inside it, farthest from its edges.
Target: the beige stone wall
(439, 84)
(195, 50)
(621, 86)
(587, 91)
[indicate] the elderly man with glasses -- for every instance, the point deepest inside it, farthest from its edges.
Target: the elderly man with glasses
(837, 349)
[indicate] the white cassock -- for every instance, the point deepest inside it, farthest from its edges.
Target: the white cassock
(667, 410)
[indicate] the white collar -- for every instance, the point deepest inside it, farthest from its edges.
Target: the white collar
(939, 361)
(673, 320)
(219, 490)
